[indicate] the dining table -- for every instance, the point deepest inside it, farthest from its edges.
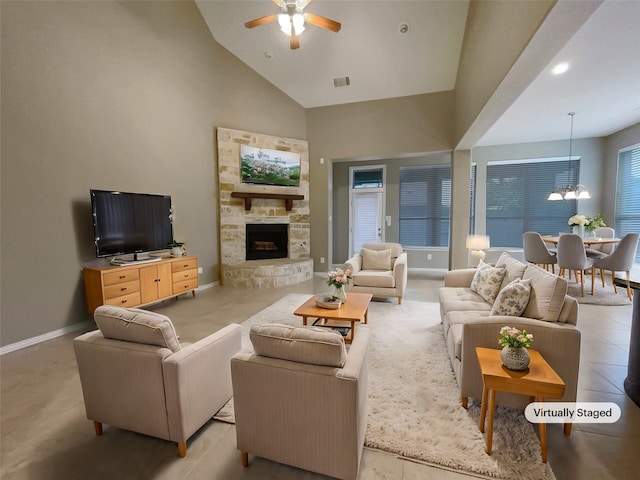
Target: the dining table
(586, 240)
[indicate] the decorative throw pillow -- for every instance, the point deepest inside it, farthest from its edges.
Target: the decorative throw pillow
(512, 299)
(547, 294)
(514, 269)
(376, 259)
(487, 281)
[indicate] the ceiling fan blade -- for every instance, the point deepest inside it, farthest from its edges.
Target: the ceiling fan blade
(281, 4)
(303, 3)
(323, 22)
(261, 21)
(294, 42)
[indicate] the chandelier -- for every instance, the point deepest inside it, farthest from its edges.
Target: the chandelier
(569, 192)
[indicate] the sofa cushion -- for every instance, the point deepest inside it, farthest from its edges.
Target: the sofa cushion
(376, 259)
(547, 294)
(374, 278)
(311, 345)
(514, 269)
(512, 299)
(135, 325)
(487, 281)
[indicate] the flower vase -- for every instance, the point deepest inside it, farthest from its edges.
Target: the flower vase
(578, 230)
(515, 358)
(340, 293)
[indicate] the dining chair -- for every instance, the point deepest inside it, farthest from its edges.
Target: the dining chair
(536, 251)
(600, 251)
(620, 260)
(572, 256)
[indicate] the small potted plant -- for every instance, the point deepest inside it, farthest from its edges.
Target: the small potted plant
(177, 249)
(514, 343)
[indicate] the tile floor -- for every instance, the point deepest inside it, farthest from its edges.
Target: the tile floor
(44, 433)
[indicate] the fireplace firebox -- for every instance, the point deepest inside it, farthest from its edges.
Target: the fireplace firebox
(265, 241)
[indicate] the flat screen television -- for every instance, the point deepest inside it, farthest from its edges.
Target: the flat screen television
(130, 223)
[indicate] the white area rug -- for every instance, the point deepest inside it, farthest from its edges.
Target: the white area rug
(414, 408)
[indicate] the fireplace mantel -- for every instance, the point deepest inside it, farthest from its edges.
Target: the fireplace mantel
(248, 196)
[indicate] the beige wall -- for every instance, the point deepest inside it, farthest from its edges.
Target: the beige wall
(112, 95)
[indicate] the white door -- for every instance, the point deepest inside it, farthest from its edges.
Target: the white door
(365, 219)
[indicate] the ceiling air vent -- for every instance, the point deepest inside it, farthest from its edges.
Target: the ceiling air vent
(341, 82)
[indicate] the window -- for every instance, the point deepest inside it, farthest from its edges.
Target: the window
(363, 178)
(517, 202)
(425, 205)
(627, 218)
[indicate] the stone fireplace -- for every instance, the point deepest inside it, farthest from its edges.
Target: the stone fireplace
(252, 254)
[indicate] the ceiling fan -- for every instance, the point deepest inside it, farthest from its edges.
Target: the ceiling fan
(292, 20)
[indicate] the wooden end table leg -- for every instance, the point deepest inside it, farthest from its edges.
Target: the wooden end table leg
(483, 408)
(492, 410)
(366, 316)
(542, 427)
(567, 428)
(304, 320)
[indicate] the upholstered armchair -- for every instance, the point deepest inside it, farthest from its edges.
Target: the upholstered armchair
(300, 399)
(379, 269)
(135, 375)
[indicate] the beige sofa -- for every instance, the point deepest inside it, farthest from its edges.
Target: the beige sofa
(550, 315)
(379, 269)
(301, 400)
(135, 375)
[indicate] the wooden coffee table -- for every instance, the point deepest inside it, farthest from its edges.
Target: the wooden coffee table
(355, 309)
(538, 381)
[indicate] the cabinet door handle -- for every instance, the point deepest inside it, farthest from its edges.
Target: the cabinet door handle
(186, 275)
(123, 289)
(124, 301)
(122, 276)
(185, 265)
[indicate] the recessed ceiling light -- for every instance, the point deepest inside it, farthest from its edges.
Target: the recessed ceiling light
(403, 28)
(268, 55)
(560, 68)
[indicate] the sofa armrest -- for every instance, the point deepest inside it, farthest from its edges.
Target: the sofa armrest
(354, 263)
(198, 380)
(459, 278)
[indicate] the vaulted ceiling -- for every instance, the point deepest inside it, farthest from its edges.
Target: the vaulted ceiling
(602, 84)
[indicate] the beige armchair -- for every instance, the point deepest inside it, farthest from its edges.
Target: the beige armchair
(379, 269)
(135, 375)
(301, 400)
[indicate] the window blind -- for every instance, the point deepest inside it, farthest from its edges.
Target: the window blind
(425, 205)
(627, 218)
(517, 202)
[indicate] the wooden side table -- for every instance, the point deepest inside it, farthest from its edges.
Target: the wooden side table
(537, 381)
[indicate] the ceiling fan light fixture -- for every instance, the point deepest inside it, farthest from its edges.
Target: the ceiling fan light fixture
(285, 20)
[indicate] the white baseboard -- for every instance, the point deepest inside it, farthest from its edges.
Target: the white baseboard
(44, 337)
(63, 331)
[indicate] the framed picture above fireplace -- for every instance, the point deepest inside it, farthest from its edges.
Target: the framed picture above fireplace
(269, 167)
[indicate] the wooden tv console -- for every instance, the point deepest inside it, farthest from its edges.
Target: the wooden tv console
(138, 285)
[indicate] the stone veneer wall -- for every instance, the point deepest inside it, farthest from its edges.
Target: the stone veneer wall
(233, 216)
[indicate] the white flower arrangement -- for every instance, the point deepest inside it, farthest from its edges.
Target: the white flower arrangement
(578, 220)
